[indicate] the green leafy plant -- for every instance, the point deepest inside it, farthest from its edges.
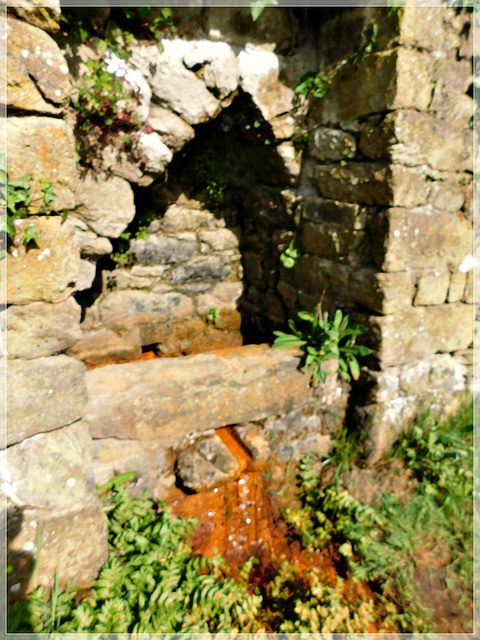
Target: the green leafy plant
(385, 542)
(105, 107)
(323, 340)
(21, 203)
(257, 7)
(213, 315)
(290, 256)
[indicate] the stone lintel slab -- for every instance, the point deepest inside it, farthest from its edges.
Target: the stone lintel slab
(178, 397)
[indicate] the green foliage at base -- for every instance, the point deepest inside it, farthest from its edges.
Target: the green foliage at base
(385, 542)
(154, 583)
(323, 340)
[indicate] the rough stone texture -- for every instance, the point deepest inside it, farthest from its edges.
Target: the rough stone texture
(218, 66)
(207, 464)
(74, 545)
(53, 470)
(174, 131)
(177, 87)
(42, 329)
(224, 297)
(397, 393)
(426, 139)
(472, 293)
(432, 288)
(152, 460)
(332, 145)
(425, 27)
(91, 246)
(43, 394)
(44, 14)
(194, 394)
(393, 79)
(43, 147)
(381, 292)
(152, 152)
(259, 72)
(119, 307)
(37, 73)
(419, 332)
(94, 347)
(86, 275)
(105, 204)
(164, 249)
(457, 286)
(46, 272)
(423, 238)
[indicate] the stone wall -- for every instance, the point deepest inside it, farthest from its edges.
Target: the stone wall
(172, 245)
(386, 223)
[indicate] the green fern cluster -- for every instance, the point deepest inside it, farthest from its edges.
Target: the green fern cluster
(151, 583)
(382, 543)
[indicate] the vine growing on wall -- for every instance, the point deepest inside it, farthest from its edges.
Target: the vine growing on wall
(316, 84)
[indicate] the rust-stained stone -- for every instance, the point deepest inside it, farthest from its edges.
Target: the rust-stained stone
(47, 271)
(194, 394)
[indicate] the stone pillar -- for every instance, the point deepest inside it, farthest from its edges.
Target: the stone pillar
(387, 224)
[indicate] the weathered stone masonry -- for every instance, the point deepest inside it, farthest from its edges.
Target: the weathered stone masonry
(380, 206)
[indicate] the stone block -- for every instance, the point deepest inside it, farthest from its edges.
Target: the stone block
(428, 28)
(423, 238)
(47, 271)
(447, 196)
(53, 470)
(41, 329)
(432, 288)
(330, 240)
(420, 332)
(187, 215)
(332, 145)
(152, 153)
(180, 397)
(95, 347)
(203, 269)
(224, 296)
(43, 394)
(152, 461)
(177, 87)
(259, 72)
(44, 14)
(423, 138)
(218, 66)
(174, 131)
(456, 289)
(381, 292)
(164, 249)
(472, 293)
(43, 147)
(397, 393)
(129, 308)
(393, 79)
(207, 464)
(219, 239)
(73, 546)
(86, 275)
(37, 73)
(104, 203)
